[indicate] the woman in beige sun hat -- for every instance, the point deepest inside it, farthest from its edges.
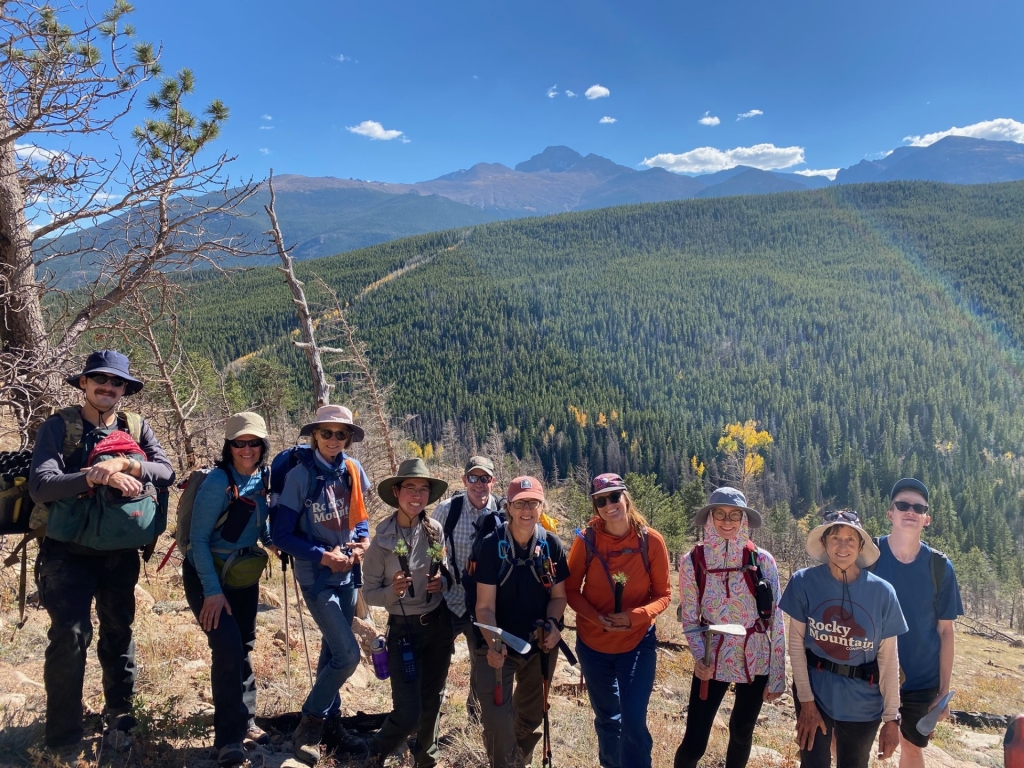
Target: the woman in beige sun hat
(843, 623)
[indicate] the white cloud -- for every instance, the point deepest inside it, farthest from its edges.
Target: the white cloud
(405, 140)
(597, 92)
(708, 159)
(1000, 129)
(751, 113)
(341, 57)
(571, 94)
(709, 119)
(828, 173)
(552, 91)
(266, 127)
(878, 155)
(607, 120)
(374, 130)
(266, 117)
(264, 151)
(34, 154)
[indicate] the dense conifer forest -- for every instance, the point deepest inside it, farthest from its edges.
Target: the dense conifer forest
(874, 330)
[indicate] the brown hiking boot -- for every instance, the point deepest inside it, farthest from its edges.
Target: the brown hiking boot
(306, 739)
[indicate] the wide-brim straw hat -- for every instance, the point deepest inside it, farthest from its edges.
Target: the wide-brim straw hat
(333, 414)
(410, 468)
(816, 550)
(727, 497)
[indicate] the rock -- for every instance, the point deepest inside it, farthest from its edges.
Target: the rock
(765, 756)
(13, 701)
(269, 597)
(292, 641)
(143, 598)
(290, 762)
(360, 677)
(24, 679)
(164, 607)
(205, 714)
(720, 724)
(175, 580)
(365, 631)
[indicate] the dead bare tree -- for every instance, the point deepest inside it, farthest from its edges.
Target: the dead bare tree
(159, 205)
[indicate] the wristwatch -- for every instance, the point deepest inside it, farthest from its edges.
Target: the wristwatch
(560, 623)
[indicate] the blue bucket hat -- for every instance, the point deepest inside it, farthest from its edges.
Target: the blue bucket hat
(112, 363)
(728, 497)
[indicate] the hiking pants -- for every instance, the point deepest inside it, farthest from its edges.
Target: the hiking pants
(68, 581)
(619, 686)
(416, 704)
(231, 643)
(464, 626)
(701, 716)
(510, 730)
(853, 742)
(333, 609)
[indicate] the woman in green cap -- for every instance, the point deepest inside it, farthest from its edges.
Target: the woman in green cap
(221, 577)
(402, 571)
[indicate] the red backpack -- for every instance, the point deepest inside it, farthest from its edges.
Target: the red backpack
(758, 585)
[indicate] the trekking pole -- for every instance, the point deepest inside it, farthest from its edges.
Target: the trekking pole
(544, 672)
(305, 643)
(287, 634)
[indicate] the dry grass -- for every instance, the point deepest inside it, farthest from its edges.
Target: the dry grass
(173, 691)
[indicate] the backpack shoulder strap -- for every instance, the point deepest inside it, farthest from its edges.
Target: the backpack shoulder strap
(134, 423)
(752, 573)
(700, 572)
(73, 429)
(589, 536)
(937, 563)
(645, 550)
(454, 513)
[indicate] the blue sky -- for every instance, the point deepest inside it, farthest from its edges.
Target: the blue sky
(466, 82)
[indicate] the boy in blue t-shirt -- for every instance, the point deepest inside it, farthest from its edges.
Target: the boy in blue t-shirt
(926, 651)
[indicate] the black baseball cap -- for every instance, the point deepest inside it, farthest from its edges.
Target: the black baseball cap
(909, 484)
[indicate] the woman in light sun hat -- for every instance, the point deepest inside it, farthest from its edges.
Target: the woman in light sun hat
(843, 623)
(755, 663)
(320, 520)
(418, 617)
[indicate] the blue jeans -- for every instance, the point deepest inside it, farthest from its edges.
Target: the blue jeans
(619, 686)
(332, 608)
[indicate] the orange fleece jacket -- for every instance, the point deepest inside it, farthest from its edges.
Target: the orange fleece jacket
(591, 596)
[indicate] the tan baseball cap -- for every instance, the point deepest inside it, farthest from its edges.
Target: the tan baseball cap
(245, 423)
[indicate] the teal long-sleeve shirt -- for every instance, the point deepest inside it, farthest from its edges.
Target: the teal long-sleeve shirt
(211, 501)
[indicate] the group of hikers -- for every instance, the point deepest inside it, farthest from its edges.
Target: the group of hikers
(868, 630)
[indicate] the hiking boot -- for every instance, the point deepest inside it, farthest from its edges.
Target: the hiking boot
(230, 756)
(256, 735)
(306, 739)
(117, 734)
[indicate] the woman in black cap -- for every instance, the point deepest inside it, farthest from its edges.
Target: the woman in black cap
(843, 623)
(397, 575)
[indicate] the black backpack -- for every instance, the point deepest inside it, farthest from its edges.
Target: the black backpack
(487, 523)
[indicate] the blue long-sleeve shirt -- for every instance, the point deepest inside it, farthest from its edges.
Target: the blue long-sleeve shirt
(211, 500)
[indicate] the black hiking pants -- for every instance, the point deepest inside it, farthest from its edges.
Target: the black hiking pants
(68, 582)
(700, 716)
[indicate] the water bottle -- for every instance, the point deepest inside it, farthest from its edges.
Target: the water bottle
(379, 654)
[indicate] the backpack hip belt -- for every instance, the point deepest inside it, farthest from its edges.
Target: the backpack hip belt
(868, 671)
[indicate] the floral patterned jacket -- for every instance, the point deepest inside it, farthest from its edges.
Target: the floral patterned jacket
(727, 600)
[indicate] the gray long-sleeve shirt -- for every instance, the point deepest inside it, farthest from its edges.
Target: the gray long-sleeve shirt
(50, 480)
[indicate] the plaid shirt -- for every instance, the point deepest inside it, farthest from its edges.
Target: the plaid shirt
(462, 543)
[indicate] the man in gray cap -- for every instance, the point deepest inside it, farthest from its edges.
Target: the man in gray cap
(80, 559)
(458, 517)
(926, 586)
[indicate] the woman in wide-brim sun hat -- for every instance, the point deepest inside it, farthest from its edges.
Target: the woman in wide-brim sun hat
(756, 663)
(320, 520)
(843, 623)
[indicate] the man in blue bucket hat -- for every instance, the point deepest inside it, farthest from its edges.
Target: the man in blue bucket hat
(85, 555)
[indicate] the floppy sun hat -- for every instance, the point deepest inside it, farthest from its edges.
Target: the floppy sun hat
(327, 415)
(868, 554)
(407, 470)
(727, 497)
(110, 362)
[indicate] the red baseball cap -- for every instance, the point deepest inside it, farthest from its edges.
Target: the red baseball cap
(525, 488)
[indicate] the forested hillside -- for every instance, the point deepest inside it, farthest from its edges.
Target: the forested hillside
(873, 330)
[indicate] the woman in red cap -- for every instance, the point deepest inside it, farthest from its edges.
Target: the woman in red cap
(520, 583)
(618, 585)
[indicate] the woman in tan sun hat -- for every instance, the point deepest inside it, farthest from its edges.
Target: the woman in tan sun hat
(320, 520)
(843, 623)
(398, 575)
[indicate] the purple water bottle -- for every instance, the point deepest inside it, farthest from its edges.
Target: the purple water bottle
(379, 654)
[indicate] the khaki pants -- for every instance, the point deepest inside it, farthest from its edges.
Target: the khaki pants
(511, 730)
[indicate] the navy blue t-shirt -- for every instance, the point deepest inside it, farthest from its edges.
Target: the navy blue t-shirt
(919, 647)
(845, 629)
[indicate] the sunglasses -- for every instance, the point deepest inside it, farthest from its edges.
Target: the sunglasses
(526, 504)
(102, 378)
(474, 479)
(732, 515)
(339, 434)
(612, 498)
(906, 506)
(843, 515)
(246, 443)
